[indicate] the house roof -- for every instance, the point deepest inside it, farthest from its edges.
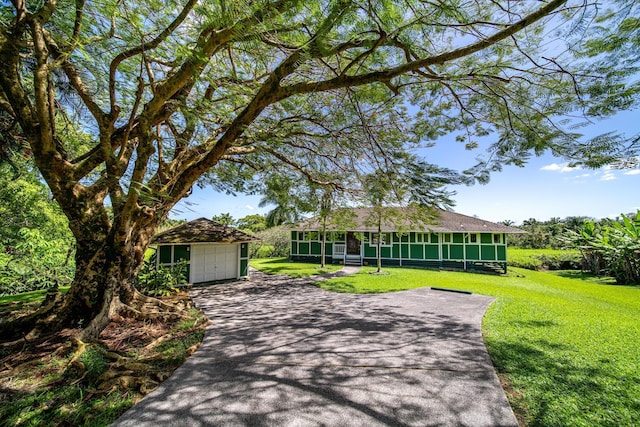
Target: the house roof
(442, 221)
(202, 230)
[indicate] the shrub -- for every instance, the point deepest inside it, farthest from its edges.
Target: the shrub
(160, 281)
(274, 242)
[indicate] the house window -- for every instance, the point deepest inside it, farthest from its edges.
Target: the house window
(418, 237)
(447, 238)
(497, 238)
(385, 239)
(473, 238)
(303, 235)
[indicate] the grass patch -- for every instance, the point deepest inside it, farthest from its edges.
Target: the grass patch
(24, 301)
(52, 382)
(293, 269)
(566, 344)
(543, 259)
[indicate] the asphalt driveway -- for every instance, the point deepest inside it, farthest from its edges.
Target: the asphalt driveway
(281, 352)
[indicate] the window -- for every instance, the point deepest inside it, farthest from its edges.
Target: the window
(385, 239)
(447, 238)
(171, 254)
(473, 238)
(303, 235)
(497, 238)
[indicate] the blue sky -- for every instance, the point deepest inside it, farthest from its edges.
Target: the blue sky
(546, 187)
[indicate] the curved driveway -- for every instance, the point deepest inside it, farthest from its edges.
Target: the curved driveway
(282, 352)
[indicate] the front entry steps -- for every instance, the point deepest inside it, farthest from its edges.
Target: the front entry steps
(353, 260)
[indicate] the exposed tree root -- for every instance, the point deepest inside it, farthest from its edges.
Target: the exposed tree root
(128, 356)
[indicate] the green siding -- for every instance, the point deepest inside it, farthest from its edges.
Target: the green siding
(385, 252)
(486, 238)
(457, 251)
(488, 253)
(396, 251)
(502, 253)
(416, 252)
(315, 248)
(244, 250)
(328, 248)
(294, 248)
(445, 251)
(432, 252)
(458, 238)
(405, 251)
(369, 251)
(473, 252)
(303, 247)
(244, 267)
(294, 235)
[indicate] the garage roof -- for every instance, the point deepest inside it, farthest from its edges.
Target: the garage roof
(202, 230)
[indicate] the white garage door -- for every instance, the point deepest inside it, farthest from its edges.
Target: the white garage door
(213, 262)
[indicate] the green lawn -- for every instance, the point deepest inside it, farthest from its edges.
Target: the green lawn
(547, 259)
(568, 345)
(293, 269)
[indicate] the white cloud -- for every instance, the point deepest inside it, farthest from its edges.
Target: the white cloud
(608, 176)
(562, 168)
(633, 172)
(249, 207)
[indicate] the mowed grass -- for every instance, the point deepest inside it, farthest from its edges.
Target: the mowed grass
(543, 259)
(567, 348)
(293, 269)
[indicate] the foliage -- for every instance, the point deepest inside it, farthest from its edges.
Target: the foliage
(274, 242)
(224, 219)
(36, 247)
(566, 347)
(612, 249)
(544, 259)
(544, 234)
(161, 280)
(252, 223)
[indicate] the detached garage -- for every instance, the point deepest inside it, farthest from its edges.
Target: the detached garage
(211, 250)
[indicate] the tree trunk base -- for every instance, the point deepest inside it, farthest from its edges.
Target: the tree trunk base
(52, 317)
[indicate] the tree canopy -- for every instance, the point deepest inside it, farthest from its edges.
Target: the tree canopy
(235, 94)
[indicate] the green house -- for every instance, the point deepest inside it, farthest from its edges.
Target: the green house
(450, 241)
(212, 251)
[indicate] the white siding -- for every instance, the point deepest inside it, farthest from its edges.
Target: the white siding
(213, 262)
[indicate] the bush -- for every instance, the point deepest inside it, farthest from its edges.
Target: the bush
(35, 262)
(273, 243)
(160, 281)
(610, 248)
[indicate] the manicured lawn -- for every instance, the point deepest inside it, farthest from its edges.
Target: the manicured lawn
(569, 348)
(538, 259)
(293, 269)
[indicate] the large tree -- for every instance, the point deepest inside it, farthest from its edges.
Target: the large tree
(231, 92)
